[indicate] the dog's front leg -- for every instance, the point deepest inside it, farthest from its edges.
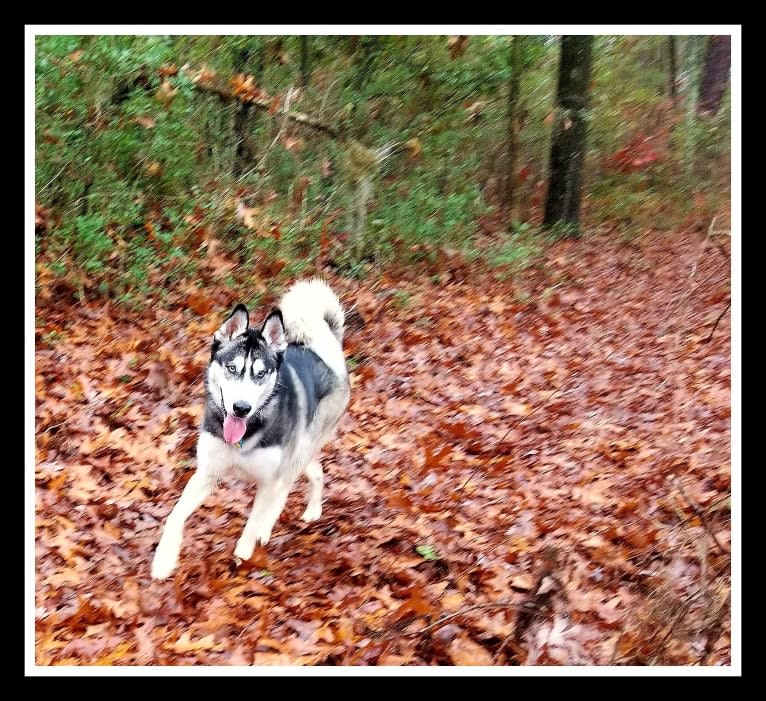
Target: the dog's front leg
(169, 547)
(268, 504)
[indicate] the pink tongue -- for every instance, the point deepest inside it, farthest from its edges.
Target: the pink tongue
(234, 428)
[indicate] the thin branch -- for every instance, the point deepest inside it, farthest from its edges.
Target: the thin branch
(683, 610)
(715, 326)
(677, 484)
(451, 617)
(53, 178)
(226, 94)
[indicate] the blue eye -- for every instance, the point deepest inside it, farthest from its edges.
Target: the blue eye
(260, 375)
(231, 368)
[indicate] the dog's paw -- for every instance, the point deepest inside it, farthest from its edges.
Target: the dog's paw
(313, 512)
(243, 551)
(164, 562)
(260, 535)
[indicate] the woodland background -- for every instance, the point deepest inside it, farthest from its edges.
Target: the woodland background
(535, 468)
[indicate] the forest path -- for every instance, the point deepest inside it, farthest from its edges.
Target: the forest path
(508, 446)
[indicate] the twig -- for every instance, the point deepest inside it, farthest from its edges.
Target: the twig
(677, 484)
(693, 272)
(692, 289)
(53, 178)
(702, 248)
(684, 609)
(720, 316)
(616, 646)
(496, 656)
(451, 617)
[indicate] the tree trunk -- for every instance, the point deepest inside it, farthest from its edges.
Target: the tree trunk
(570, 130)
(243, 155)
(369, 51)
(513, 125)
(692, 60)
(670, 88)
(305, 60)
(715, 74)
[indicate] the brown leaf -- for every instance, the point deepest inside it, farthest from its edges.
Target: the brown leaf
(415, 147)
(166, 93)
(465, 652)
(186, 644)
(159, 375)
(247, 215)
(292, 143)
(457, 46)
(199, 303)
(146, 122)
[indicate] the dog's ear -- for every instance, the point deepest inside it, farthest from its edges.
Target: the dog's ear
(273, 331)
(235, 325)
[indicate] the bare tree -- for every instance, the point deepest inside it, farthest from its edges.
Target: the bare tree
(670, 89)
(715, 74)
(305, 60)
(570, 129)
(513, 124)
(248, 61)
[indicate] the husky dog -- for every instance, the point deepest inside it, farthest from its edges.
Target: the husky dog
(273, 398)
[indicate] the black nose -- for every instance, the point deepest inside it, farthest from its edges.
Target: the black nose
(241, 409)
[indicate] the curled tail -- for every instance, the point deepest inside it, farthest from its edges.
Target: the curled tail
(314, 317)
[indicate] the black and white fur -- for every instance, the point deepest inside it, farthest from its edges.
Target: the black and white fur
(289, 382)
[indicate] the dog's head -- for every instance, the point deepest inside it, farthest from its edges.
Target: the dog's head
(243, 367)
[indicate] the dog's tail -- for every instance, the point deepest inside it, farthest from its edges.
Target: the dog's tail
(313, 316)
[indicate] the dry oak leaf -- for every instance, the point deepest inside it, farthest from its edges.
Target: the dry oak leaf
(199, 302)
(186, 644)
(166, 92)
(146, 122)
(465, 652)
(247, 215)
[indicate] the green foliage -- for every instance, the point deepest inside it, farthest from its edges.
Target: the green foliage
(131, 155)
(515, 254)
(401, 299)
(427, 552)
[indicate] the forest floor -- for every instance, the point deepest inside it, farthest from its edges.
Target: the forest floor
(531, 471)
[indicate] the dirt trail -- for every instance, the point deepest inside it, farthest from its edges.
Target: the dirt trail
(507, 458)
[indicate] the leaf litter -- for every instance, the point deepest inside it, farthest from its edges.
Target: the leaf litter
(486, 427)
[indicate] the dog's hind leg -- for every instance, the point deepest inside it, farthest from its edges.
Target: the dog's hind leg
(313, 472)
(169, 547)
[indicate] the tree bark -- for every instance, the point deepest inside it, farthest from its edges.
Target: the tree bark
(513, 125)
(305, 60)
(715, 74)
(570, 130)
(243, 154)
(670, 88)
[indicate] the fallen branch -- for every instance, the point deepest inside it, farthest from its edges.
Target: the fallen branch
(452, 616)
(211, 83)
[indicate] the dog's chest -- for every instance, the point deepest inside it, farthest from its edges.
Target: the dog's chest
(259, 465)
